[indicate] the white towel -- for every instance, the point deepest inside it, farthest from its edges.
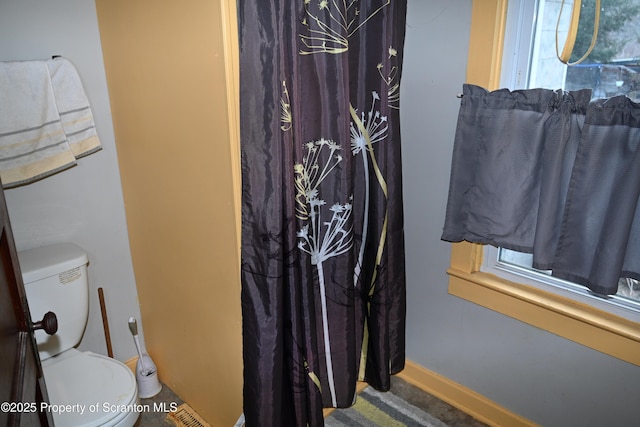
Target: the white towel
(73, 107)
(34, 141)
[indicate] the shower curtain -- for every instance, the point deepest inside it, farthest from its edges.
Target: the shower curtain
(323, 278)
(550, 173)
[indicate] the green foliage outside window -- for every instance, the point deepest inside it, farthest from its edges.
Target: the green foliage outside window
(614, 16)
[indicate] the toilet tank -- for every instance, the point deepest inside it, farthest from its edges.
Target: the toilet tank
(55, 279)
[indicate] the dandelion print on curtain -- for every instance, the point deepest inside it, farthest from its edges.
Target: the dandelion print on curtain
(323, 276)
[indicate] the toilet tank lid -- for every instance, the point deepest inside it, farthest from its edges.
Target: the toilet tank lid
(45, 261)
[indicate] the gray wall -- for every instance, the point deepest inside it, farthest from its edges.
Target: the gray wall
(545, 378)
(83, 204)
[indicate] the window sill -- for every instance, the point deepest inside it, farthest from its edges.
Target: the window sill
(569, 319)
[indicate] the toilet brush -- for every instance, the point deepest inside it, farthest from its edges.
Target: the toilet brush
(146, 372)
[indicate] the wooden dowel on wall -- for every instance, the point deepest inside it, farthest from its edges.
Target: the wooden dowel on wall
(105, 322)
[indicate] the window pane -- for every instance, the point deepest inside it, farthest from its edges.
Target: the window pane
(612, 68)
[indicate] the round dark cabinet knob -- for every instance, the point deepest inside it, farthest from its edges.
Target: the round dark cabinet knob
(49, 323)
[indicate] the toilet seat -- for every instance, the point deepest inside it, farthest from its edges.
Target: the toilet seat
(104, 388)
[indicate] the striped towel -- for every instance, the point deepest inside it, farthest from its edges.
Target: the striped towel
(46, 122)
(375, 409)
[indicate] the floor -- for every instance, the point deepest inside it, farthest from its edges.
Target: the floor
(167, 399)
(155, 410)
(446, 413)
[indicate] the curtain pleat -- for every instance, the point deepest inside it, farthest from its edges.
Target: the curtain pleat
(323, 278)
(553, 174)
(561, 140)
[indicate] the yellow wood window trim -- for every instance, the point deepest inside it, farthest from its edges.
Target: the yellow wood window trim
(562, 316)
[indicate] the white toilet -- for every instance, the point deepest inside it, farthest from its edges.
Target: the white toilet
(101, 391)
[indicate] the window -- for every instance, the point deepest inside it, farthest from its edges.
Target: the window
(516, 266)
(533, 31)
(504, 40)
(530, 56)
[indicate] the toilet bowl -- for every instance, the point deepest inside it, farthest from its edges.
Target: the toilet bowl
(85, 389)
(103, 392)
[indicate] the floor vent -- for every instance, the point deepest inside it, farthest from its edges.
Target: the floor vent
(185, 416)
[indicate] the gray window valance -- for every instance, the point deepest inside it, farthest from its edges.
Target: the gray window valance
(550, 173)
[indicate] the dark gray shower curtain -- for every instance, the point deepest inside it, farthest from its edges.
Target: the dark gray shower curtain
(323, 279)
(552, 174)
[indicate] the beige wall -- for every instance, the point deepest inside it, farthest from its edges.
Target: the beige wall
(165, 66)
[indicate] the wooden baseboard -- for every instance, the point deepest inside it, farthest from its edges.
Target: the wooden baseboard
(461, 397)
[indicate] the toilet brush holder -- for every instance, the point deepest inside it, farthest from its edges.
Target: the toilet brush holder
(146, 371)
(147, 377)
